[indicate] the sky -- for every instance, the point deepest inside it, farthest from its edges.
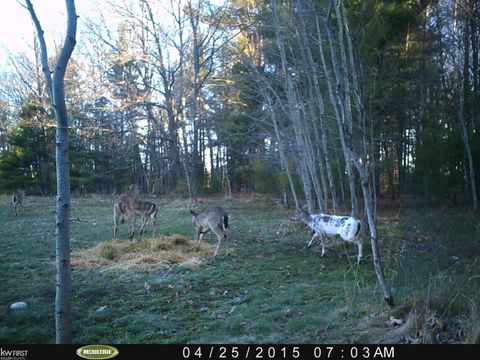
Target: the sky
(17, 30)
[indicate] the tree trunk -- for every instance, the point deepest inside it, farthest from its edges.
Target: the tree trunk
(339, 112)
(313, 144)
(281, 150)
(228, 189)
(343, 93)
(212, 163)
(340, 174)
(323, 127)
(63, 317)
(167, 85)
(308, 150)
(466, 146)
(187, 167)
(303, 157)
(372, 225)
(346, 133)
(464, 93)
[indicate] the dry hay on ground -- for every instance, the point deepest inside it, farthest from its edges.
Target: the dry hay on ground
(144, 255)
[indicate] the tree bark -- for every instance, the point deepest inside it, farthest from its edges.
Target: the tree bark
(467, 148)
(167, 77)
(346, 130)
(281, 150)
(302, 160)
(55, 84)
(338, 109)
(321, 108)
(372, 225)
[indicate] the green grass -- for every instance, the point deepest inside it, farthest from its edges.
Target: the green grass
(272, 289)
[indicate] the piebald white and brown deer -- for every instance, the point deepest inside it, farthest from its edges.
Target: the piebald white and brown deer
(124, 210)
(322, 225)
(214, 219)
(17, 200)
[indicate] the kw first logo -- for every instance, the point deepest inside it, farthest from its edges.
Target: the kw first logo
(13, 354)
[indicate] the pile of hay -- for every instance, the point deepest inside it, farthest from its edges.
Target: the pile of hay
(144, 255)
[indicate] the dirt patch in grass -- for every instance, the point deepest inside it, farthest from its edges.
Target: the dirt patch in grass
(143, 255)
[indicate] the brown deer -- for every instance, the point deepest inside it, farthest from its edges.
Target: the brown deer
(214, 219)
(17, 200)
(146, 210)
(124, 210)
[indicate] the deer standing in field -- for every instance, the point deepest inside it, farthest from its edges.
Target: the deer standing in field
(214, 219)
(347, 227)
(124, 210)
(146, 210)
(17, 200)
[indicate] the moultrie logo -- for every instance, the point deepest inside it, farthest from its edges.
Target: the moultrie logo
(98, 352)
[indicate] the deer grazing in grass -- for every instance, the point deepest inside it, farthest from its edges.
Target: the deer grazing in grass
(17, 200)
(347, 227)
(124, 210)
(214, 219)
(146, 210)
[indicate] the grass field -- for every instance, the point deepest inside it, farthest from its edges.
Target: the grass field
(272, 289)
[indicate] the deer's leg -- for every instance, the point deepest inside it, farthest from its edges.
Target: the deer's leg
(145, 219)
(199, 237)
(218, 246)
(315, 235)
(220, 235)
(359, 249)
(225, 236)
(131, 225)
(226, 243)
(154, 220)
(322, 242)
(116, 219)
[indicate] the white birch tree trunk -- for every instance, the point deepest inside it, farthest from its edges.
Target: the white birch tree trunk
(339, 111)
(55, 84)
(294, 115)
(466, 146)
(346, 129)
(346, 132)
(281, 148)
